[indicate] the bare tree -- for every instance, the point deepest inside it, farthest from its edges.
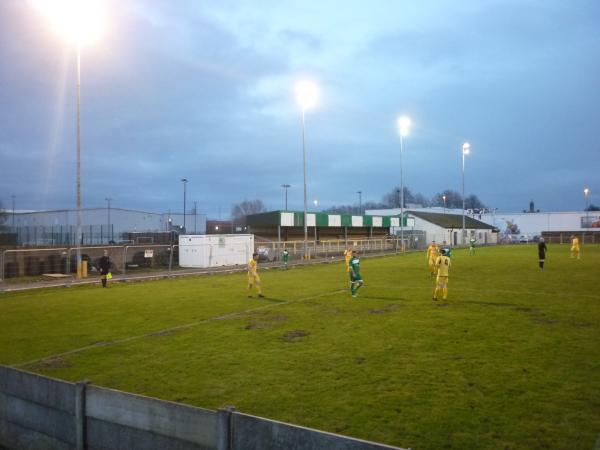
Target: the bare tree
(392, 199)
(473, 202)
(453, 199)
(246, 208)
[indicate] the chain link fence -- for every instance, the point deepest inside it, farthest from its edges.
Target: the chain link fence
(61, 262)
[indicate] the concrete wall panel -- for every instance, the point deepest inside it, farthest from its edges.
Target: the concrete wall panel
(103, 435)
(16, 437)
(181, 422)
(32, 416)
(38, 389)
(255, 433)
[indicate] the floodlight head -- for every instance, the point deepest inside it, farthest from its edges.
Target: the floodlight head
(306, 94)
(586, 191)
(466, 148)
(403, 125)
(80, 21)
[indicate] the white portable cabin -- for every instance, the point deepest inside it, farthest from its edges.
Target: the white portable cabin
(215, 250)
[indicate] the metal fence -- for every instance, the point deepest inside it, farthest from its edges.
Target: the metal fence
(57, 262)
(64, 235)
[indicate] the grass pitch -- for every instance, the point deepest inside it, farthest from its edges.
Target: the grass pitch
(511, 361)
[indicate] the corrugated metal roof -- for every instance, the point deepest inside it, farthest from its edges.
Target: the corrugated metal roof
(451, 220)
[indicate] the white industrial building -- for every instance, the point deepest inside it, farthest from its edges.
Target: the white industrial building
(444, 226)
(99, 225)
(535, 223)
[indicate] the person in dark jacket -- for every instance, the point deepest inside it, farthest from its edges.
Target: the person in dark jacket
(104, 266)
(542, 252)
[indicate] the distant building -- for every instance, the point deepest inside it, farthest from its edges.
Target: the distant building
(289, 225)
(440, 226)
(99, 225)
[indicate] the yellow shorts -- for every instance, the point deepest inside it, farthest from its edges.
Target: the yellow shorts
(442, 280)
(575, 248)
(253, 279)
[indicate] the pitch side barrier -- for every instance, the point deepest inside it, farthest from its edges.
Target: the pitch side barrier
(59, 263)
(38, 412)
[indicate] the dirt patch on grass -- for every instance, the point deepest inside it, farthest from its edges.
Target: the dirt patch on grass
(52, 363)
(261, 323)
(385, 309)
(359, 359)
(294, 336)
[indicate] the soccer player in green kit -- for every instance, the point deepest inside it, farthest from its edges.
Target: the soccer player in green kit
(355, 276)
(286, 258)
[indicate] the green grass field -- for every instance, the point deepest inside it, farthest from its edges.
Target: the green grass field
(511, 361)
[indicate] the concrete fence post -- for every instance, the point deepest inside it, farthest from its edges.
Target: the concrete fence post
(225, 428)
(80, 392)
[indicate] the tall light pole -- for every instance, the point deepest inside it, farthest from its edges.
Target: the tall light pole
(466, 149)
(444, 198)
(13, 212)
(286, 187)
(403, 126)
(81, 23)
(184, 181)
(108, 231)
(586, 194)
(195, 214)
(306, 94)
(359, 201)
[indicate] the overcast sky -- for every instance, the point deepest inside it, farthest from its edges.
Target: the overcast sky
(204, 90)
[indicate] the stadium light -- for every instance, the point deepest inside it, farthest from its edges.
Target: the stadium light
(286, 187)
(444, 198)
(586, 194)
(306, 95)
(184, 181)
(466, 149)
(403, 126)
(81, 22)
(359, 201)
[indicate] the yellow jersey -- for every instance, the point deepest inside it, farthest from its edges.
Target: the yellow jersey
(575, 243)
(442, 263)
(252, 268)
(348, 257)
(432, 252)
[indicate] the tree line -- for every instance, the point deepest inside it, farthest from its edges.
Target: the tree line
(393, 198)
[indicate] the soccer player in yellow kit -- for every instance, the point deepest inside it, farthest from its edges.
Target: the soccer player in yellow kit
(253, 277)
(348, 257)
(432, 254)
(442, 264)
(574, 247)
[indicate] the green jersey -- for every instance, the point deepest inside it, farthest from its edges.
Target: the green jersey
(354, 265)
(472, 242)
(286, 256)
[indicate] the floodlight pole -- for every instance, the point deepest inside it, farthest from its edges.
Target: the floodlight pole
(13, 211)
(108, 233)
(401, 193)
(184, 181)
(286, 186)
(466, 148)
(79, 235)
(305, 207)
(359, 201)
(196, 215)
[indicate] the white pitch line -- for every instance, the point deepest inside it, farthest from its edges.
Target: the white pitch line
(172, 329)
